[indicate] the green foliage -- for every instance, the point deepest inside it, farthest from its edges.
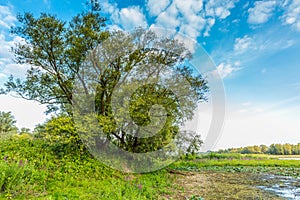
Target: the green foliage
(195, 197)
(131, 76)
(55, 50)
(7, 124)
(31, 169)
(24, 131)
(273, 149)
(60, 133)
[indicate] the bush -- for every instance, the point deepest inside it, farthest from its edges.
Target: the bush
(60, 133)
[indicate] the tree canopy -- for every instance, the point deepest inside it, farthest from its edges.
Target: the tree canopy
(54, 50)
(7, 124)
(140, 87)
(107, 66)
(273, 149)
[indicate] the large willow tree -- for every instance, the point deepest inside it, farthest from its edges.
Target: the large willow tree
(111, 64)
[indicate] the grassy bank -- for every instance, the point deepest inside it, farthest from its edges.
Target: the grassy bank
(33, 169)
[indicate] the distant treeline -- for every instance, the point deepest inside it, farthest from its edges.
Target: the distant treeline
(274, 149)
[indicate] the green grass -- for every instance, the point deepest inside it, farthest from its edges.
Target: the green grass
(237, 162)
(33, 169)
(272, 166)
(213, 155)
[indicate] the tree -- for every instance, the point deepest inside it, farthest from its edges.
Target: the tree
(24, 131)
(263, 148)
(54, 49)
(62, 53)
(136, 71)
(287, 149)
(7, 124)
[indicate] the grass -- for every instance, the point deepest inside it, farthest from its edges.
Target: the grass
(30, 169)
(242, 156)
(33, 169)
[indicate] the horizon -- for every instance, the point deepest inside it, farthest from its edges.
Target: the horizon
(253, 44)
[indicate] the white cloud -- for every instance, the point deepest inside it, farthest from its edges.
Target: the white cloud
(130, 18)
(222, 12)
(124, 18)
(5, 45)
(210, 23)
(168, 18)
(7, 19)
(187, 41)
(188, 7)
(108, 8)
(156, 7)
(224, 70)
(242, 44)
(292, 14)
(237, 63)
(261, 12)
(191, 17)
(219, 8)
(7, 67)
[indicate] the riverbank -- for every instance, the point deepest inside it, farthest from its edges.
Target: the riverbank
(33, 169)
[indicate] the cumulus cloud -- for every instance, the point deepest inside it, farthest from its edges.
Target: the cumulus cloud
(7, 19)
(224, 70)
(219, 8)
(108, 8)
(190, 17)
(124, 18)
(261, 12)
(156, 7)
(130, 18)
(242, 44)
(7, 66)
(292, 14)
(169, 18)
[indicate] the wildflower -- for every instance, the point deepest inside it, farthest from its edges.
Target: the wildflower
(5, 158)
(21, 163)
(140, 186)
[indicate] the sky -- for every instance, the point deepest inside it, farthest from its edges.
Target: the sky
(253, 45)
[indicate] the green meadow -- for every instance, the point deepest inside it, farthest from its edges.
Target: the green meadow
(33, 169)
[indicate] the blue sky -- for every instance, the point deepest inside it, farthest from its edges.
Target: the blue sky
(255, 46)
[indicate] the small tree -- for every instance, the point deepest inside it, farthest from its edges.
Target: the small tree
(24, 131)
(7, 124)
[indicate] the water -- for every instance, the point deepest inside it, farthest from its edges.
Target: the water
(286, 187)
(288, 158)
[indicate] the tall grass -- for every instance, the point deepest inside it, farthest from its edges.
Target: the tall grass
(32, 169)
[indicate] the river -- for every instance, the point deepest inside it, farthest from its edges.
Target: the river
(284, 186)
